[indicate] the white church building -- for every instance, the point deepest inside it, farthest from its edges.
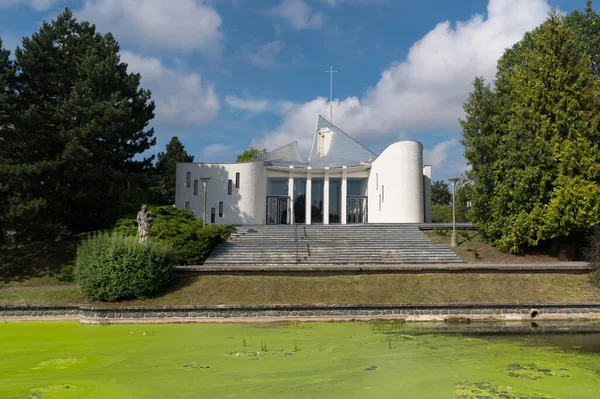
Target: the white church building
(342, 182)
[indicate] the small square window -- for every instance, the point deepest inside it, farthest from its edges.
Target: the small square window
(221, 209)
(188, 179)
(229, 187)
(195, 187)
(187, 205)
(237, 180)
(212, 215)
(382, 193)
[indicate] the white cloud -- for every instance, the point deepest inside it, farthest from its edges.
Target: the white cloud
(438, 155)
(298, 14)
(38, 5)
(334, 3)
(184, 25)
(426, 90)
(181, 98)
(247, 104)
(213, 151)
(263, 55)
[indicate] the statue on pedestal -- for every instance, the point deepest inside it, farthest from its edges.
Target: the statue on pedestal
(144, 221)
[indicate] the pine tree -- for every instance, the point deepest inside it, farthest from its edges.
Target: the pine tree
(80, 120)
(166, 169)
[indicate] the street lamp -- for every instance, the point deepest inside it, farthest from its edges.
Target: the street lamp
(205, 181)
(454, 240)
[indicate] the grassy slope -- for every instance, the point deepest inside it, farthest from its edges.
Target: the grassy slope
(471, 248)
(379, 288)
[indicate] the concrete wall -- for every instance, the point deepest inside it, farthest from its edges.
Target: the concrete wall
(245, 205)
(396, 192)
(427, 192)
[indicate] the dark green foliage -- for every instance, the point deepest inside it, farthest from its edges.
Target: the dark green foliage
(440, 193)
(166, 169)
(67, 272)
(532, 143)
(250, 154)
(112, 266)
(586, 27)
(77, 122)
(592, 253)
(191, 242)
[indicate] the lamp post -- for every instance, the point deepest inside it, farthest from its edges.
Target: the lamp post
(454, 240)
(205, 181)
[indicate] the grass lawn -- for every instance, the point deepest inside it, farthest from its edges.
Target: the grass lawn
(376, 288)
(472, 249)
(35, 265)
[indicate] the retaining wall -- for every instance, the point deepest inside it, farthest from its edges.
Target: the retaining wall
(437, 312)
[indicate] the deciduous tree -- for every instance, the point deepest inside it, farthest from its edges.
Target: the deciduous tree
(250, 154)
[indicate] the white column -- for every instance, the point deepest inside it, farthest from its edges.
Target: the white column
(344, 193)
(308, 195)
(290, 218)
(326, 196)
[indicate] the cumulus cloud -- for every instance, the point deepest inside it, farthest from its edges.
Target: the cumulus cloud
(247, 104)
(186, 26)
(426, 90)
(181, 98)
(298, 14)
(438, 155)
(38, 5)
(214, 152)
(263, 55)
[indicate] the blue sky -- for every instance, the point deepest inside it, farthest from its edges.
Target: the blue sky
(228, 74)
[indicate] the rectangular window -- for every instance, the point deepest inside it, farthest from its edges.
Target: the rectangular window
(376, 181)
(221, 209)
(195, 187)
(382, 194)
(237, 180)
(188, 179)
(187, 205)
(379, 201)
(212, 215)
(229, 187)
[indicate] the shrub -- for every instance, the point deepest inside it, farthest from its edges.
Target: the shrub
(179, 227)
(111, 266)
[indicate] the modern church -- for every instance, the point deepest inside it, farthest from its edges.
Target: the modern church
(342, 182)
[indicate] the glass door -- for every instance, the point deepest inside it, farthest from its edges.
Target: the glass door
(277, 209)
(356, 209)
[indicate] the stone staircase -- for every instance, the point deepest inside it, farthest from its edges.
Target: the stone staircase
(375, 244)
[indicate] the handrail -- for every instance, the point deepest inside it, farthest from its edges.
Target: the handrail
(291, 211)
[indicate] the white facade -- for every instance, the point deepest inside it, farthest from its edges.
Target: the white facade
(341, 183)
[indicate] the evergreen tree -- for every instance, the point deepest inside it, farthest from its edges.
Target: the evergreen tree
(166, 169)
(586, 26)
(532, 144)
(79, 121)
(6, 102)
(440, 193)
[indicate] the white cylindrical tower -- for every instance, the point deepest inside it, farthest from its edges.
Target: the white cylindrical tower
(396, 184)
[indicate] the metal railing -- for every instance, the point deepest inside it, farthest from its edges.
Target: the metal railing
(293, 221)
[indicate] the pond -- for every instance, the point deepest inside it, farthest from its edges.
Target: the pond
(295, 360)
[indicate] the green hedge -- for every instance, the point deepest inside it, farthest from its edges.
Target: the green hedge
(111, 266)
(191, 242)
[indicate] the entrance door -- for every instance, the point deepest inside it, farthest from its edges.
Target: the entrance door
(356, 209)
(277, 209)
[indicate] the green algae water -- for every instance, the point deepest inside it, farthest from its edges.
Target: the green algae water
(297, 360)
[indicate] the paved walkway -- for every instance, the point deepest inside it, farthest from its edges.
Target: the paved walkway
(539, 267)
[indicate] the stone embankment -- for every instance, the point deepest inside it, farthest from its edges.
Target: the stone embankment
(241, 313)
